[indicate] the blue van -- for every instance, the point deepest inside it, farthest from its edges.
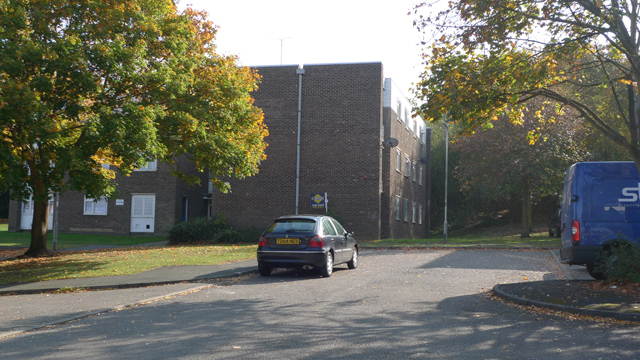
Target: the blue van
(600, 207)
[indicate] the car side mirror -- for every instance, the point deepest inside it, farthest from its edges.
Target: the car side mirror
(348, 234)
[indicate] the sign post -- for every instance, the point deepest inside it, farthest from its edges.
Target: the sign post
(319, 200)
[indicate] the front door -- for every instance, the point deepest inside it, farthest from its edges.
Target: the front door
(143, 210)
(26, 218)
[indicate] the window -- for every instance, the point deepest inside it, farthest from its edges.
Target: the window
(328, 228)
(407, 166)
(420, 175)
(292, 225)
(397, 207)
(413, 212)
(399, 111)
(95, 206)
(339, 228)
(150, 166)
(406, 210)
(420, 214)
(398, 161)
(423, 134)
(413, 168)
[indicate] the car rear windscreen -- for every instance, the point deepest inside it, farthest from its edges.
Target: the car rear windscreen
(292, 225)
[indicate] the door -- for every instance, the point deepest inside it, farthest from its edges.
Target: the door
(143, 210)
(26, 218)
(347, 249)
(331, 234)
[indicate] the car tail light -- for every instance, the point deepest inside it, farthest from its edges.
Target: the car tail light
(316, 241)
(575, 232)
(262, 242)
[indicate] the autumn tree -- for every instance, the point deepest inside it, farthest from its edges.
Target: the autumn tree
(501, 164)
(85, 83)
(487, 58)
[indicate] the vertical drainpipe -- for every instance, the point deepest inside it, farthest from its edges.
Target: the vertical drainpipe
(300, 72)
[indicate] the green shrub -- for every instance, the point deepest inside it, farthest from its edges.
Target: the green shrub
(621, 262)
(197, 230)
(233, 236)
(215, 231)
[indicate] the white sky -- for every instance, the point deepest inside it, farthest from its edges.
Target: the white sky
(319, 32)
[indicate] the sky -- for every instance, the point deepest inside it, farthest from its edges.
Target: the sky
(294, 32)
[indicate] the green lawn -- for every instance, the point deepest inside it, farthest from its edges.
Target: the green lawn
(479, 238)
(74, 240)
(122, 261)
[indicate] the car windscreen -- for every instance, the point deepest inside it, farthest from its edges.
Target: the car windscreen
(292, 225)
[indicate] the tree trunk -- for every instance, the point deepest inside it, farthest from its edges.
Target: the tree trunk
(526, 209)
(40, 223)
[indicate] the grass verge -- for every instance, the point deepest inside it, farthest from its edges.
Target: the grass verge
(480, 239)
(66, 241)
(122, 261)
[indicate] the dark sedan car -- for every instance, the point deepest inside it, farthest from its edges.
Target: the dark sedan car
(306, 241)
(555, 223)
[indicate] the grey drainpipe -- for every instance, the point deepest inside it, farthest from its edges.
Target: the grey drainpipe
(300, 72)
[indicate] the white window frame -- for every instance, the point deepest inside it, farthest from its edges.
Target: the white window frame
(423, 134)
(406, 210)
(407, 166)
(420, 175)
(420, 214)
(94, 206)
(413, 212)
(150, 166)
(399, 110)
(413, 168)
(398, 207)
(399, 161)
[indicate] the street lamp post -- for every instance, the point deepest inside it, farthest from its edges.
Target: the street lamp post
(446, 175)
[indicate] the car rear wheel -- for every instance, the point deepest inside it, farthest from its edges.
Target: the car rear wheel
(353, 263)
(327, 269)
(264, 270)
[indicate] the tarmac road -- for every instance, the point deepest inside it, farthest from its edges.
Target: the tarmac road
(397, 305)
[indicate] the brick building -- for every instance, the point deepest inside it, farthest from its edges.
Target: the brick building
(150, 201)
(346, 114)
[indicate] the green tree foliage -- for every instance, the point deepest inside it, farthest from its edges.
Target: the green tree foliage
(503, 164)
(85, 83)
(488, 58)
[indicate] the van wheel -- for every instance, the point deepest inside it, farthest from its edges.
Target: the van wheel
(591, 269)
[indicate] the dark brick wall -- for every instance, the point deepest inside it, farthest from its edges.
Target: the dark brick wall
(397, 184)
(340, 147)
(168, 191)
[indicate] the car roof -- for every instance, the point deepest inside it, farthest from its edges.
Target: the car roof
(306, 217)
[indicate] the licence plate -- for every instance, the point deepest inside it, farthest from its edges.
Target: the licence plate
(288, 241)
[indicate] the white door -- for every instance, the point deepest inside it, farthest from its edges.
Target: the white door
(26, 219)
(143, 210)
